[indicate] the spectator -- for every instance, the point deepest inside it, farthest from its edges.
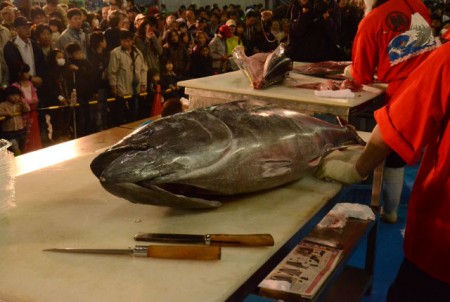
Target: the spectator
(218, 49)
(23, 50)
(30, 119)
(283, 35)
(55, 124)
(74, 33)
(56, 27)
(112, 33)
(169, 80)
(13, 127)
(202, 63)
(5, 36)
(127, 73)
(104, 21)
(313, 35)
(43, 36)
(8, 16)
(80, 81)
(147, 42)
(250, 33)
(177, 53)
(213, 27)
(37, 15)
(52, 7)
(232, 42)
(99, 59)
(200, 25)
(201, 39)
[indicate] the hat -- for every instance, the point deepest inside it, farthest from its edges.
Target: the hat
(11, 90)
(231, 22)
(225, 30)
(22, 21)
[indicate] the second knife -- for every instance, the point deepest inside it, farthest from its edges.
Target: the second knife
(209, 239)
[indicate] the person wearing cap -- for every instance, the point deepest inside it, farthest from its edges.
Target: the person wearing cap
(200, 25)
(23, 50)
(218, 49)
(232, 42)
(13, 127)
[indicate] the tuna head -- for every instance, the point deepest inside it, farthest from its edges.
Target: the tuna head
(160, 155)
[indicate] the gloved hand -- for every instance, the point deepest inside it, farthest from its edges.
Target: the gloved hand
(348, 72)
(340, 165)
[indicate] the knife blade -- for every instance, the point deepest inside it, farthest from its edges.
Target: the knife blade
(209, 239)
(154, 251)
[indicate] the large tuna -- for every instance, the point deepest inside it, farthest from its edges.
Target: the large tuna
(191, 159)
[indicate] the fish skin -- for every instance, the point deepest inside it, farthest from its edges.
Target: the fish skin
(228, 149)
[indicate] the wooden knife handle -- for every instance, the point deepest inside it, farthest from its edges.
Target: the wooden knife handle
(184, 252)
(242, 240)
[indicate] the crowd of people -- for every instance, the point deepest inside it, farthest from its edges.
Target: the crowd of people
(84, 71)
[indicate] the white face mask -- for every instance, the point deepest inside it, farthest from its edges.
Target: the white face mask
(443, 31)
(61, 62)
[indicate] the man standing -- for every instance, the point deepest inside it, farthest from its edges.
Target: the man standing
(416, 119)
(23, 50)
(74, 33)
(127, 74)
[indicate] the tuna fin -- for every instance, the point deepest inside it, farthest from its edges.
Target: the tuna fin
(315, 161)
(154, 195)
(275, 168)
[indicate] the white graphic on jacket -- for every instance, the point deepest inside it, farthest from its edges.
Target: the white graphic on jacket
(415, 41)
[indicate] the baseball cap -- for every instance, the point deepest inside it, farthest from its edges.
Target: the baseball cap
(22, 21)
(225, 30)
(231, 22)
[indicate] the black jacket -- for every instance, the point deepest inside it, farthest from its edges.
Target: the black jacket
(14, 60)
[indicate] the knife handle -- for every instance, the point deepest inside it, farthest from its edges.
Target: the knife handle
(184, 252)
(241, 240)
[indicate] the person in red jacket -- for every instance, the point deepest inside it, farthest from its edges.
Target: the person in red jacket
(392, 40)
(416, 119)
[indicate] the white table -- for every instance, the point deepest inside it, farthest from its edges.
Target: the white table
(235, 85)
(63, 205)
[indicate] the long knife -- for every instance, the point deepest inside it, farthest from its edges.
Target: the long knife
(209, 239)
(155, 251)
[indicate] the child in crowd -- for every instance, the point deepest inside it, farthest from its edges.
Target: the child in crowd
(57, 27)
(99, 59)
(154, 90)
(202, 63)
(79, 81)
(13, 127)
(169, 82)
(201, 39)
(30, 119)
(127, 74)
